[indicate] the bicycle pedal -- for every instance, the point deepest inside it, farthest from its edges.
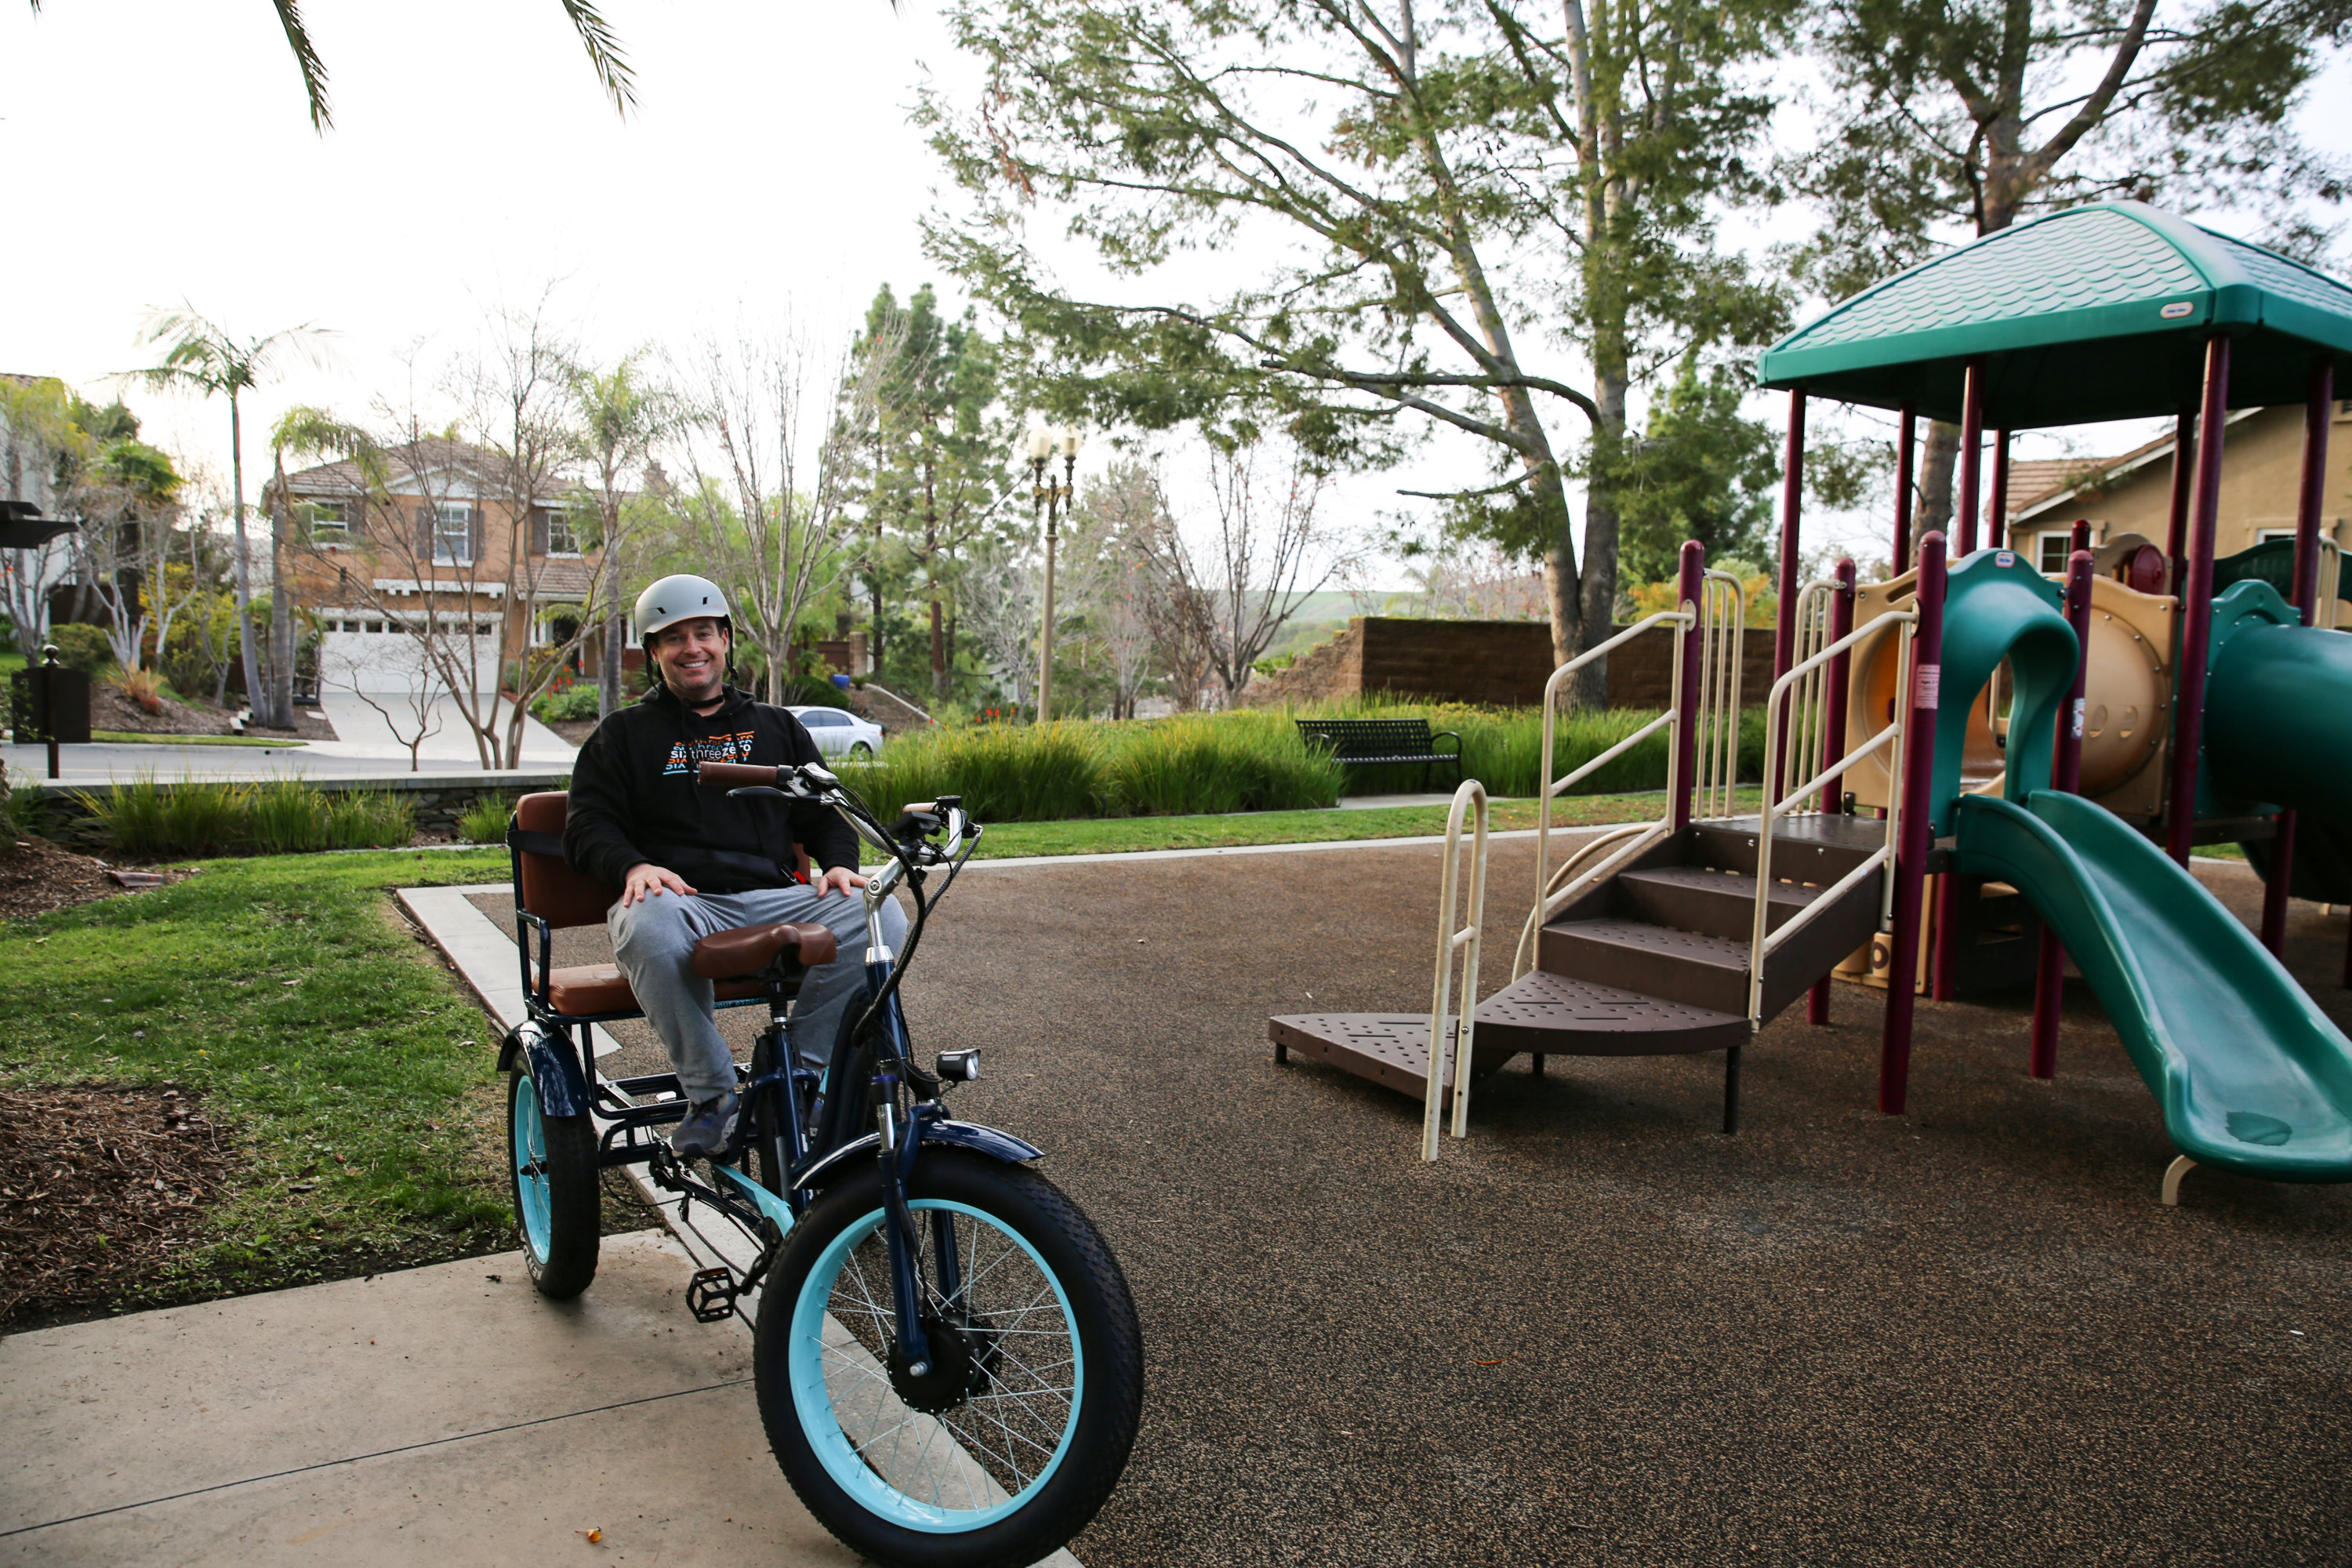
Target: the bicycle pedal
(710, 1295)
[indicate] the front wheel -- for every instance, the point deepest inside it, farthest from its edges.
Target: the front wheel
(1019, 1424)
(553, 1161)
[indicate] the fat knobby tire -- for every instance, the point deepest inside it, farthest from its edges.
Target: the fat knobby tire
(1104, 1315)
(574, 1219)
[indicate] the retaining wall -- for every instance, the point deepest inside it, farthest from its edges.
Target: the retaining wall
(1501, 664)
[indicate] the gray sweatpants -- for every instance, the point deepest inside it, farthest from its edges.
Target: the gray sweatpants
(652, 942)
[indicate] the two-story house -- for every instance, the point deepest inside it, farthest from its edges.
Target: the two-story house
(445, 551)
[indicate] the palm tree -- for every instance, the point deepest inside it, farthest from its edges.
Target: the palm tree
(203, 357)
(306, 433)
(596, 34)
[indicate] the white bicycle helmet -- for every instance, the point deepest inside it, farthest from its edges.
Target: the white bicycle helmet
(680, 597)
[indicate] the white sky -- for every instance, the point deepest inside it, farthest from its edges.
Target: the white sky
(157, 152)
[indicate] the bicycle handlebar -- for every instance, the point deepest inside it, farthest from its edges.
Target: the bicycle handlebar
(735, 775)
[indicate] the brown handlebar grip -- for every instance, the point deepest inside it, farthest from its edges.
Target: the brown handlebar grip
(735, 775)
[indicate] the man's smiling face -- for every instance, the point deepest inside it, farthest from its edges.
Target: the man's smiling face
(692, 657)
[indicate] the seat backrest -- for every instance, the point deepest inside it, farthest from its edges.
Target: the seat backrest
(545, 885)
(548, 887)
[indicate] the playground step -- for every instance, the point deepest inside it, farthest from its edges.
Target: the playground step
(1682, 966)
(1391, 1048)
(1805, 848)
(1703, 899)
(1552, 1013)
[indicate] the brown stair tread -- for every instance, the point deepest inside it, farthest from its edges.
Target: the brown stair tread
(1711, 879)
(1689, 946)
(1391, 1048)
(1842, 830)
(1557, 1015)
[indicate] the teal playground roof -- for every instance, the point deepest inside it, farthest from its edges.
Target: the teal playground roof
(2097, 312)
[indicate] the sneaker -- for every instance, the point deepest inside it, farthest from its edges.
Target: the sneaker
(708, 1128)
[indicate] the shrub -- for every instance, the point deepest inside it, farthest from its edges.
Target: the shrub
(484, 821)
(82, 647)
(285, 817)
(1004, 773)
(1239, 762)
(144, 686)
(142, 817)
(577, 700)
(369, 819)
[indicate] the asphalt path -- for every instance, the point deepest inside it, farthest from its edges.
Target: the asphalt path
(1599, 1331)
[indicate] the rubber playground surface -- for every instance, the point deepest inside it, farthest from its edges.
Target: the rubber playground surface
(1597, 1331)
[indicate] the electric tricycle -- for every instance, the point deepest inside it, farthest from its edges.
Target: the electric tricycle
(945, 1352)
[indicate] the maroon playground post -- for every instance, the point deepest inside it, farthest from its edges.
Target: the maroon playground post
(1690, 590)
(2078, 537)
(2066, 777)
(1832, 798)
(2318, 406)
(1997, 505)
(1917, 833)
(1784, 614)
(1906, 445)
(2184, 468)
(1972, 455)
(2196, 614)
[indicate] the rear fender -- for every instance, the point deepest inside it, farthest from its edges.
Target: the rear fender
(988, 1140)
(553, 1065)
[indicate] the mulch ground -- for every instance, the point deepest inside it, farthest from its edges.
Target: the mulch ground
(111, 709)
(98, 1187)
(1597, 1331)
(37, 876)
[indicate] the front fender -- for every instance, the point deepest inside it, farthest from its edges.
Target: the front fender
(988, 1140)
(553, 1065)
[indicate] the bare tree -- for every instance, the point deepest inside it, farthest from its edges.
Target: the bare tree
(421, 704)
(768, 515)
(1254, 577)
(1110, 576)
(997, 600)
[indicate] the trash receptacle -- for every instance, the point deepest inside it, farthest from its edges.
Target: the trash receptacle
(49, 702)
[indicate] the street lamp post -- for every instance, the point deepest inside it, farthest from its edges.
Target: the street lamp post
(1053, 497)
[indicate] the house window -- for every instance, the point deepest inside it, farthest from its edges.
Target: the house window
(2263, 535)
(563, 538)
(2050, 552)
(453, 534)
(330, 522)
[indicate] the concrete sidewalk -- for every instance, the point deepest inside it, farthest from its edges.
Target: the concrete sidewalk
(445, 1415)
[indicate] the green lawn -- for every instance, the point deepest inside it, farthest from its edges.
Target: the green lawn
(353, 1075)
(141, 738)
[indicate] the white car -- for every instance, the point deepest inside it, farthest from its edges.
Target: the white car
(839, 733)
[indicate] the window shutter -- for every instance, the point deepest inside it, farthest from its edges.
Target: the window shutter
(424, 533)
(539, 530)
(474, 532)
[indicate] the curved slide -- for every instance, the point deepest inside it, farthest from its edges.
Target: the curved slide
(2252, 1075)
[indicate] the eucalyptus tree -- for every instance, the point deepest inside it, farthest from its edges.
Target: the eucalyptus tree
(935, 462)
(201, 356)
(1474, 214)
(1962, 116)
(303, 433)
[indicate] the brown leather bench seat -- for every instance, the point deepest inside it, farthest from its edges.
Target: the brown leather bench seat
(561, 896)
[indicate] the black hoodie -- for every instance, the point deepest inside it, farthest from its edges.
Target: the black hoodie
(635, 798)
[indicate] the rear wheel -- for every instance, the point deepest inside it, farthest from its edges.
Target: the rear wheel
(861, 753)
(1012, 1435)
(552, 1162)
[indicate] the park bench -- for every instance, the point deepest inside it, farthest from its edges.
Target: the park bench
(1373, 743)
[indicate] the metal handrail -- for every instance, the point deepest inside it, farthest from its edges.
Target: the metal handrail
(1723, 632)
(1469, 796)
(1808, 726)
(1894, 735)
(1549, 790)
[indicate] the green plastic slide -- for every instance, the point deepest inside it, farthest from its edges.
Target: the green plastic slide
(2251, 1074)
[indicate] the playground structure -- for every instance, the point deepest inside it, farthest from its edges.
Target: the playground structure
(1973, 766)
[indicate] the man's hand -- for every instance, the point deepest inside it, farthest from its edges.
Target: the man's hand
(645, 879)
(840, 879)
